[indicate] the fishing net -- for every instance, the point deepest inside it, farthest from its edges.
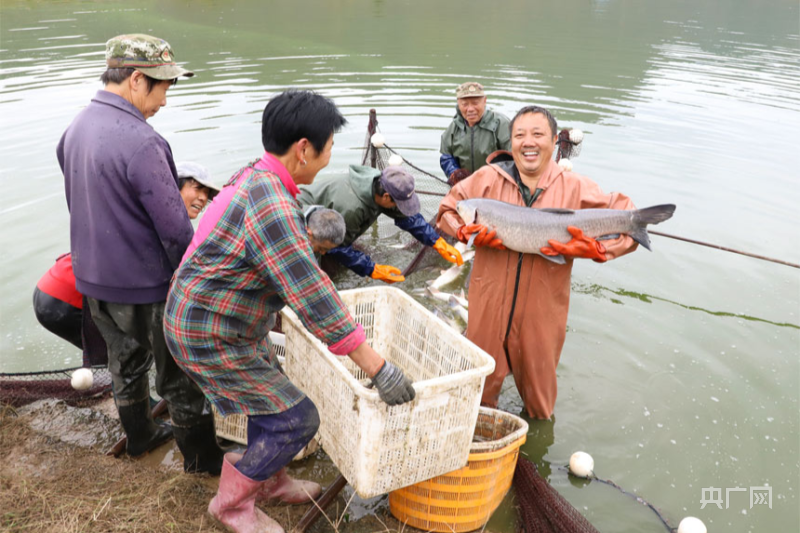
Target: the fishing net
(541, 508)
(429, 187)
(18, 389)
(569, 144)
(22, 388)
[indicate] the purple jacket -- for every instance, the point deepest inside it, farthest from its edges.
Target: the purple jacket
(128, 223)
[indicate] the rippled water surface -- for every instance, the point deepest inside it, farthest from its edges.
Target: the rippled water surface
(681, 366)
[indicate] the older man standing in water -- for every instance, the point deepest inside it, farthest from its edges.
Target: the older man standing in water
(128, 231)
(474, 134)
(519, 302)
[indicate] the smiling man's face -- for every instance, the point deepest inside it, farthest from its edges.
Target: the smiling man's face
(532, 144)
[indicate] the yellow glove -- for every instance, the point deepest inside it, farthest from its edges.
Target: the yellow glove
(448, 252)
(387, 274)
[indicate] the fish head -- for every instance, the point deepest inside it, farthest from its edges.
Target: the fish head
(467, 211)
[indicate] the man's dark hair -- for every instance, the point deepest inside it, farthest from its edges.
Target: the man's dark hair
(377, 187)
(118, 75)
(535, 109)
(294, 115)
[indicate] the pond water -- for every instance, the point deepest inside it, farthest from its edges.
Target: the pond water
(681, 367)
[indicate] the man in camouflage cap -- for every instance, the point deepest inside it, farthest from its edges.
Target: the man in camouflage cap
(141, 68)
(129, 230)
(474, 133)
(147, 54)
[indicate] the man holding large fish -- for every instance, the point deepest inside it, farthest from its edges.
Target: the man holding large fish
(520, 286)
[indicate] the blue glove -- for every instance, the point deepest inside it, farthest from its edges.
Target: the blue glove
(449, 164)
(358, 262)
(418, 227)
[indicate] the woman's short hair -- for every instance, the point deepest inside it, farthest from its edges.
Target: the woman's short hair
(295, 115)
(326, 225)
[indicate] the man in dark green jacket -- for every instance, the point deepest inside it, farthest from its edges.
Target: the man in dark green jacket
(474, 134)
(361, 196)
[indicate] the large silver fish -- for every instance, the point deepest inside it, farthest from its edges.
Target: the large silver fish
(527, 230)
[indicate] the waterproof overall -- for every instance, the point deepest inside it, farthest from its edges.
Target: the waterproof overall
(519, 302)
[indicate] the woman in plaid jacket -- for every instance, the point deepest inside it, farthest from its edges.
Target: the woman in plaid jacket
(249, 257)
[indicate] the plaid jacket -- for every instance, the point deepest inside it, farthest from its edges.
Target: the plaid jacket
(254, 257)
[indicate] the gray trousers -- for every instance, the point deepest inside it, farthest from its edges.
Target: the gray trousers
(134, 334)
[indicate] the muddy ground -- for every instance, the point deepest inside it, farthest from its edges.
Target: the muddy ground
(55, 477)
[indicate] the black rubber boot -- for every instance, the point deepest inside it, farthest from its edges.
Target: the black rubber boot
(142, 431)
(198, 444)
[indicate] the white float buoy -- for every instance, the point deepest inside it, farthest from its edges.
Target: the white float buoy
(566, 164)
(395, 160)
(377, 140)
(82, 379)
(581, 464)
(576, 135)
(691, 524)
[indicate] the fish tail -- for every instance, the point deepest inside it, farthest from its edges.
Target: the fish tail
(653, 215)
(649, 215)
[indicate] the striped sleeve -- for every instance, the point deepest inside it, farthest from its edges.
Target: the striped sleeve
(277, 246)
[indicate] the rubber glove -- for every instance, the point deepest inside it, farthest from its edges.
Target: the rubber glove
(387, 274)
(579, 246)
(458, 175)
(448, 252)
(484, 237)
(393, 386)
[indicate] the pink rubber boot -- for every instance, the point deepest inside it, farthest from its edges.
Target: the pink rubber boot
(282, 488)
(234, 504)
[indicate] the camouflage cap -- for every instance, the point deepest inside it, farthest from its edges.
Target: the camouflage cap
(147, 54)
(469, 89)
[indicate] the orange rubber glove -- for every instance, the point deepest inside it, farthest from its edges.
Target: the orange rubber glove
(484, 237)
(387, 274)
(448, 252)
(579, 246)
(458, 174)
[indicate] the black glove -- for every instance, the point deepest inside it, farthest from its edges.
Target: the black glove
(393, 386)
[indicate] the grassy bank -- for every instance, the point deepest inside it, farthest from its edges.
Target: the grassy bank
(49, 485)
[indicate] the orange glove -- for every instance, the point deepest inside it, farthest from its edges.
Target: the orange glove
(387, 274)
(484, 237)
(448, 252)
(579, 246)
(458, 175)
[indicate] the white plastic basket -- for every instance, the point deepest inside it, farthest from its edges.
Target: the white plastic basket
(380, 448)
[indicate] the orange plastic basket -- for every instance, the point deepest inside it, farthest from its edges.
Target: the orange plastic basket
(464, 500)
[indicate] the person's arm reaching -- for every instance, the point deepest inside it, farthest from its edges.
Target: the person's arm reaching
(419, 228)
(449, 164)
(355, 260)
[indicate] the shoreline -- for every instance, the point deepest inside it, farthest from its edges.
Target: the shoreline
(55, 477)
